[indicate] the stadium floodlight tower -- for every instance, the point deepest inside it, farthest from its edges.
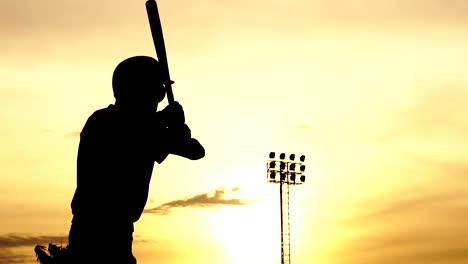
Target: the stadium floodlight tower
(285, 172)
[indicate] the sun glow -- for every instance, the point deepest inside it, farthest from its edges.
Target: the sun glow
(248, 234)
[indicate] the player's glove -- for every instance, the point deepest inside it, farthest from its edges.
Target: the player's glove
(179, 133)
(173, 115)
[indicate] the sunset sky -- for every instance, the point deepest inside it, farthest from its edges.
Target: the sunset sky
(373, 92)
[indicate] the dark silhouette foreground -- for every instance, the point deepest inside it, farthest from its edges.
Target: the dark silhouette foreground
(118, 147)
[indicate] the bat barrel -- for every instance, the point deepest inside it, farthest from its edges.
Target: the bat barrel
(158, 40)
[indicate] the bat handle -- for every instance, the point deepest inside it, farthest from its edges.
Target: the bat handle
(169, 94)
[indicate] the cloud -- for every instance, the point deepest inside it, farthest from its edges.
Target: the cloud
(63, 16)
(103, 31)
(75, 134)
(429, 245)
(15, 240)
(428, 132)
(422, 218)
(402, 205)
(70, 18)
(198, 201)
(9, 257)
(442, 193)
(424, 224)
(9, 244)
(426, 11)
(434, 106)
(19, 248)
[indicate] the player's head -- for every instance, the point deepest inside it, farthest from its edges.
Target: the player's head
(137, 80)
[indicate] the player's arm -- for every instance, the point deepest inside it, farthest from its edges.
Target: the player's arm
(182, 144)
(190, 149)
(179, 140)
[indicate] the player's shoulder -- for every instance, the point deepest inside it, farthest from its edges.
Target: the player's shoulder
(101, 115)
(104, 112)
(99, 120)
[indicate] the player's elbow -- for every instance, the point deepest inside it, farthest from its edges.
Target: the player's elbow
(192, 150)
(197, 151)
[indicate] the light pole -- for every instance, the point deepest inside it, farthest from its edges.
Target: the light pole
(285, 173)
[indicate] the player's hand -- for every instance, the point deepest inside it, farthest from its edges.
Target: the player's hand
(180, 133)
(173, 114)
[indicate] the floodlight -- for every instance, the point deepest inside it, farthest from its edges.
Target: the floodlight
(287, 171)
(282, 166)
(292, 166)
(293, 177)
(272, 164)
(283, 176)
(272, 175)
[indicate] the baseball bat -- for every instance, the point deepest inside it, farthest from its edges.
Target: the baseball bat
(158, 40)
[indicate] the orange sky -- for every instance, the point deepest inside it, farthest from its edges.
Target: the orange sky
(373, 92)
